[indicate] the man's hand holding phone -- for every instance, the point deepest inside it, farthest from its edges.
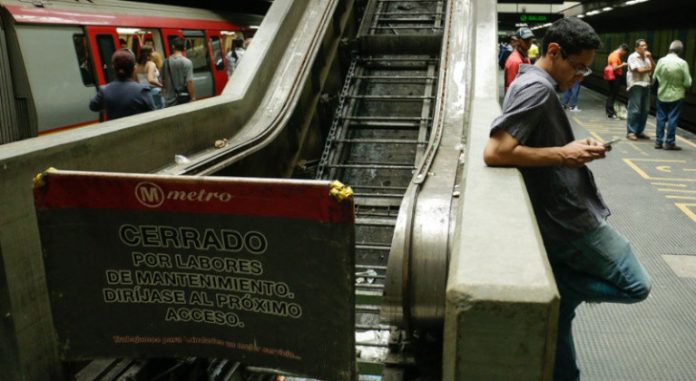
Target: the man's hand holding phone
(608, 145)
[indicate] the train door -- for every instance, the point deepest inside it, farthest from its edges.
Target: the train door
(103, 43)
(169, 35)
(198, 52)
(217, 60)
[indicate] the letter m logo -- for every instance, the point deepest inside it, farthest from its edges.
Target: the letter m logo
(149, 194)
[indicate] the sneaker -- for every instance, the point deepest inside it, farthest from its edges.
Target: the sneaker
(612, 117)
(672, 147)
(565, 107)
(642, 136)
(631, 137)
(575, 109)
(658, 145)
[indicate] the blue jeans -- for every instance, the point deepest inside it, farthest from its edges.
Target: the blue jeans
(598, 267)
(157, 97)
(571, 96)
(667, 112)
(638, 107)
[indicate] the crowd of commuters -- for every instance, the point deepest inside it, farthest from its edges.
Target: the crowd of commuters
(590, 259)
(639, 73)
(149, 82)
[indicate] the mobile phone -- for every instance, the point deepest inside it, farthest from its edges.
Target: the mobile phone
(609, 143)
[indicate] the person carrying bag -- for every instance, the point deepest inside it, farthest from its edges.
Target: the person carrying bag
(179, 87)
(609, 73)
(181, 93)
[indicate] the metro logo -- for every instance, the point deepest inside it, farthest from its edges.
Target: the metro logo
(200, 195)
(149, 194)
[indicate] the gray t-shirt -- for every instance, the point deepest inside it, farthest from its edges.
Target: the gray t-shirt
(566, 201)
(181, 69)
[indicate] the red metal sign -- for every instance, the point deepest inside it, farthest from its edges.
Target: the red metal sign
(258, 271)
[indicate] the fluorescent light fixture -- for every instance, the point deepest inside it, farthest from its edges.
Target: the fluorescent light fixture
(128, 30)
(607, 9)
(253, 27)
(631, 2)
(580, 16)
(592, 13)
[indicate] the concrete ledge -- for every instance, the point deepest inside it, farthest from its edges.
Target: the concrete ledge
(502, 301)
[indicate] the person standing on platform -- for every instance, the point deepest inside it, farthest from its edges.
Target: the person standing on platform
(518, 56)
(234, 55)
(505, 50)
(673, 78)
(122, 96)
(591, 261)
(147, 73)
(178, 76)
(640, 66)
(570, 98)
(615, 60)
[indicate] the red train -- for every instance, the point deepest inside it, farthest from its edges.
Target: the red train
(53, 55)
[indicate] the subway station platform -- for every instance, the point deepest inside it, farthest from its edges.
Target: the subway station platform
(652, 197)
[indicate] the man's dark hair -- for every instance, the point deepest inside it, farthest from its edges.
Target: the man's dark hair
(638, 41)
(179, 44)
(624, 47)
(124, 63)
(572, 34)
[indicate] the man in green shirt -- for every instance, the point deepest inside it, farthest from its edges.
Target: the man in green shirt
(672, 75)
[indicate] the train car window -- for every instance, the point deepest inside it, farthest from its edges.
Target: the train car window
(197, 52)
(84, 60)
(105, 43)
(170, 41)
(217, 53)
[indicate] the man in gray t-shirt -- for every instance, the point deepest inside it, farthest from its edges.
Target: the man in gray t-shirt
(178, 75)
(591, 261)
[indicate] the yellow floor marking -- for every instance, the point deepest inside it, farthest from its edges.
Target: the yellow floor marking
(670, 185)
(675, 190)
(687, 141)
(635, 146)
(630, 163)
(685, 208)
(597, 137)
(661, 160)
(581, 124)
(681, 197)
(664, 168)
(636, 168)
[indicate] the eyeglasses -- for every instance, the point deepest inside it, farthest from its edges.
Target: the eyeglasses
(580, 69)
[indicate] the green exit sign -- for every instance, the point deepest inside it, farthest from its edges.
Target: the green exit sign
(534, 18)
